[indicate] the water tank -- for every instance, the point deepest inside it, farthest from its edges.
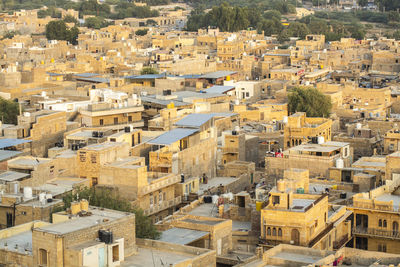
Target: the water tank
(237, 128)
(48, 196)
(84, 205)
(285, 119)
(27, 192)
(42, 197)
(339, 163)
(215, 199)
(321, 139)
(75, 207)
(16, 187)
(281, 185)
(300, 190)
(237, 101)
(358, 125)
(259, 205)
(207, 199)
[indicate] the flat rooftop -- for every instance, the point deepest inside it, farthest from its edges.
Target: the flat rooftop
(325, 147)
(98, 147)
(20, 243)
(215, 182)
(155, 258)
(390, 197)
(26, 162)
(297, 257)
(79, 223)
(182, 236)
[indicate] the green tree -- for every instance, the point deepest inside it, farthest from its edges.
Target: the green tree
(148, 70)
(10, 34)
(363, 2)
(141, 32)
(57, 30)
(94, 22)
(309, 100)
(283, 36)
(9, 111)
(109, 199)
(70, 19)
(298, 29)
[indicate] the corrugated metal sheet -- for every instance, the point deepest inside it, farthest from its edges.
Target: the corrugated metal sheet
(172, 136)
(7, 142)
(194, 120)
(181, 236)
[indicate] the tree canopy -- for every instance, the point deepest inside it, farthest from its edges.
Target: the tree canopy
(9, 111)
(309, 100)
(149, 70)
(141, 32)
(58, 30)
(106, 198)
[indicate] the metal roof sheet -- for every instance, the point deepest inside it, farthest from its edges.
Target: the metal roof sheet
(181, 236)
(7, 142)
(7, 154)
(10, 176)
(172, 136)
(94, 79)
(217, 74)
(219, 89)
(86, 75)
(195, 119)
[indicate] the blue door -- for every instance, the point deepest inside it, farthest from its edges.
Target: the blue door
(102, 262)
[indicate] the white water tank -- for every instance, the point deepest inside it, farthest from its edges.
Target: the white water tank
(358, 125)
(27, 192)
(237, 101)
(321, 140)
(339, 163)
(285, 119)
(15, 187)
(215, 199)
(42, 197)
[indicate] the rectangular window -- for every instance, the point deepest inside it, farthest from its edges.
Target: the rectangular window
(93, 158)
(275, 200)
(94, 181)
(42, 257)
(129, 118)
(160, 197)
(82, 156)
(116, 120)
(101, 122)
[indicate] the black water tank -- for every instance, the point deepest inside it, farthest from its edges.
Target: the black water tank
(207, 199)
(108, 237)
(95, 134)
(343, 195)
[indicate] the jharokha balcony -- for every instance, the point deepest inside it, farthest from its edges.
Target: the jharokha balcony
(392, 234)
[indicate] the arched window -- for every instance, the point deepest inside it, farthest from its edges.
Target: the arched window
(279, 232)
(274, 231)
(380, 223)
(268, 231)
(384, 223)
